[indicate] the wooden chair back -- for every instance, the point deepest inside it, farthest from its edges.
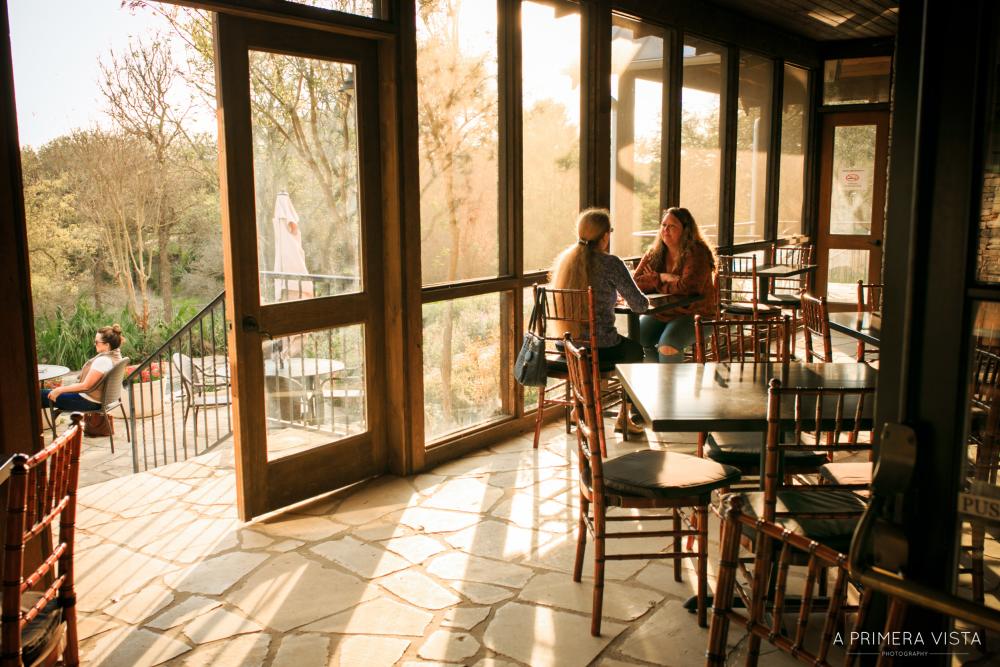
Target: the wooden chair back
(792, 255)
(767, 613)
(827, 419)
(816, 322)
(42, 490)
(590, 424)
(736, 281)
(735, 340)
(564, 311)
(869, 297)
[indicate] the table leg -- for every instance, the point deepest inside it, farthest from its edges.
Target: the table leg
(633, 326)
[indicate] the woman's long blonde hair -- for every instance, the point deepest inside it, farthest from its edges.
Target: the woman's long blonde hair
(690, 237)
(574, 266)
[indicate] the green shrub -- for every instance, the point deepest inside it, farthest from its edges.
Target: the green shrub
(68, 339)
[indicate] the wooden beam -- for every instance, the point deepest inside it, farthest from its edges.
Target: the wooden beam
(595, 105)
(20, 403)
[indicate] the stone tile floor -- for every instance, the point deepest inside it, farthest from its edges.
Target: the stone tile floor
(466, 564)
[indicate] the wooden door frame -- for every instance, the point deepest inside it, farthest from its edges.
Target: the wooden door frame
(872, 241)
(264, 486)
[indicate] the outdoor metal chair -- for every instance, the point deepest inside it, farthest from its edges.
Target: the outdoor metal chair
(112, 398)
(199, 390)
(346, 388)
(39, 607)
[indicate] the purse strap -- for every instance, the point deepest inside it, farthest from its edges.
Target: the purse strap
(536, 320)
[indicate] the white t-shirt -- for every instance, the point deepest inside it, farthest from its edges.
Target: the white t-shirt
(102, 364)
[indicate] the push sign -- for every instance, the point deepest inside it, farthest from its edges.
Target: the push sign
(980, 502)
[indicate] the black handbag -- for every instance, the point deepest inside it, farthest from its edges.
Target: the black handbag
(530, 368)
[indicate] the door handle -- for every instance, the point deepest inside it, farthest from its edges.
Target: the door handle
(250, 325)
(876, 242)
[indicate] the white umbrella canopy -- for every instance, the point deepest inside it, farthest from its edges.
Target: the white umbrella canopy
(289, 257)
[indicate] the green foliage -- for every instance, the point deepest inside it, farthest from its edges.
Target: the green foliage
(67, 338)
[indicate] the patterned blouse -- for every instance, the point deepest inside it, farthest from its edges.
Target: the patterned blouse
(613, 278)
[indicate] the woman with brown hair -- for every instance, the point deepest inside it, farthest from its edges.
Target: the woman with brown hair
(86, 395)
(587, 263)
(678, 262)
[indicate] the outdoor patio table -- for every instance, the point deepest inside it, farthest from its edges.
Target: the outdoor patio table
(658, 303)
(309, 371)
(866, 327)
(767, 271)
(50, 372)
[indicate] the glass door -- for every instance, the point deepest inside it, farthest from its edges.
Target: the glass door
(302, 250)
(852, 204)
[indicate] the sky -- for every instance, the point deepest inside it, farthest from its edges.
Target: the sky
(56, 46)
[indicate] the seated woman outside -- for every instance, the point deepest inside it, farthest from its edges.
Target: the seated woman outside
(587, 263)
(87, 394)
(678, 262)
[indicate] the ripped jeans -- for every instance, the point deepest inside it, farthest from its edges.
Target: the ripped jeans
(654, 334)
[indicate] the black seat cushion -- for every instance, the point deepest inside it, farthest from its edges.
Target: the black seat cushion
(851, 472)
(785, 300)
(558, 365)
(656, 474)
(41, 631)
(739, 308)
(743, 450)
(834, 533)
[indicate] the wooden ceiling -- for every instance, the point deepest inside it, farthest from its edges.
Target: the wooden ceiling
(823, 20)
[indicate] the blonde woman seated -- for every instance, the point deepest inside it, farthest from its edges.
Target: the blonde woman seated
(587, 263)
(86, 395)
(678, 262)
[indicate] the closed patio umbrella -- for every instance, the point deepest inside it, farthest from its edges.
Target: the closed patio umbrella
(289, 257)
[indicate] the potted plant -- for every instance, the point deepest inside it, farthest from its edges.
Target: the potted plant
(146, 390)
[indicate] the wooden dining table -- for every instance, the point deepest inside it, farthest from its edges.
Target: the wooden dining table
(866, 327)
(728, 397)
(658, 303)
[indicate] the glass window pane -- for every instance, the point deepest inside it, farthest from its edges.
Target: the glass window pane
(846, 268)
(306, 184)
(550, 52)
(457, 113)
(753, 136)
(853, 179)
(637, 75)
(979, 484)
(314, 389)
(857, 80)
(359, 7)
(794, 129)
(701, 120)
(988, 264)
(462, 374)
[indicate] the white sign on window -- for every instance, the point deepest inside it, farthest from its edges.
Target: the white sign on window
(853, 179)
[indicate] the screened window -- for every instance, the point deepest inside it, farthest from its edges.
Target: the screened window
(701, 125)
(550, 48)
(856, 80)
(637, 74)
(794, 133)
(457, 103)
(753, 136)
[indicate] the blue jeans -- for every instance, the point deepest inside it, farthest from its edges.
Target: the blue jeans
(70, 402)
(678, 333)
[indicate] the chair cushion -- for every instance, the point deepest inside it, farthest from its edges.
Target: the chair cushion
(785, 300)
(40, 632)
(743, 450)
(739, 308)
(656, 474)
(559, 365)
(834, 533)
(857, 472)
